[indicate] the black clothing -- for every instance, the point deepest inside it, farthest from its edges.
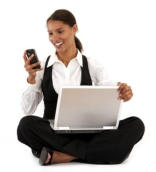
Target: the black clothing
(50, 95)
(107, 147)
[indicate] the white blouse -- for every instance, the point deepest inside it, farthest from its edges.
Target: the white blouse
(62, 76)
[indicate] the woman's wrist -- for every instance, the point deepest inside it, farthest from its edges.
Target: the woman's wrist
(31, 80)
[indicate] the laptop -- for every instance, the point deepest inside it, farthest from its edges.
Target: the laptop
(86, 109)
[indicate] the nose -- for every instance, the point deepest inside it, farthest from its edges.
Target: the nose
(54, 38)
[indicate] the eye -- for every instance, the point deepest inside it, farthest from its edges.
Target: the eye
(60, 31)
(50, 33)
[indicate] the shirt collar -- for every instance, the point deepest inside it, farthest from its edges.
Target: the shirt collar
(54, 59)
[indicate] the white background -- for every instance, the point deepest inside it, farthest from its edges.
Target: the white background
(120, 33)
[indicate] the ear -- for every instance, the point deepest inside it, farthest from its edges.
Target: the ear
(75, 28)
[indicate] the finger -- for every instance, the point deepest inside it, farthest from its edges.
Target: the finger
(126, 96)
(129, 95)
(24, 56)
(31, 70)
(126, 89)
(126, 99)
(38, 69)
(119, 83)
(127, 92)
(35, 64)
(120, 96)
(35, 70)
(28, 68)
(121, 87)
(30, 58)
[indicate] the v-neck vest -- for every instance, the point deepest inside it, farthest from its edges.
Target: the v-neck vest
(49, 94)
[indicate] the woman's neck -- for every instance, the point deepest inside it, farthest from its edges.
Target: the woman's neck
(66, 56)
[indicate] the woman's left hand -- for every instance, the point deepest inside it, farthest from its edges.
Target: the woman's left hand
(125, 91)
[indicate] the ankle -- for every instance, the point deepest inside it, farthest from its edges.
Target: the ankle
(59, 157)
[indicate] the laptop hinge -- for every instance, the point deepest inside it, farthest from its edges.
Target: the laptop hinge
(63, 128)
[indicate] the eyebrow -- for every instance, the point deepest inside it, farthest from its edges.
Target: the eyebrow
(56, 29)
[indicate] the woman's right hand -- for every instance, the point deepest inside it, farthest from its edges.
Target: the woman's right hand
(29, 68)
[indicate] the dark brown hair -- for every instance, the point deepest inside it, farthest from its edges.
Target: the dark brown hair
(68, 18)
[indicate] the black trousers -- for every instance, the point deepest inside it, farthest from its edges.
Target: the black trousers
(107, 147)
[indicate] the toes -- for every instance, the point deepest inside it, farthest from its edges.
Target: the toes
(48, 158)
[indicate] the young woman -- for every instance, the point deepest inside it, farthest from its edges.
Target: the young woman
(67, 66)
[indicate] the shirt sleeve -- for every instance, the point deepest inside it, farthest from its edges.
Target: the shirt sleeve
(99, 74)
(33, 95)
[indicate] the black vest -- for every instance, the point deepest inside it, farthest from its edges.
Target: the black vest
(49, 93)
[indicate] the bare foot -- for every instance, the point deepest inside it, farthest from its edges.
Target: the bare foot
(59, 157)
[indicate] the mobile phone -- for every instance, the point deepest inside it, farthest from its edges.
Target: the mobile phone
(35, 59)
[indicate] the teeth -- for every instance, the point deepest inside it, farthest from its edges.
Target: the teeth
(57, 44)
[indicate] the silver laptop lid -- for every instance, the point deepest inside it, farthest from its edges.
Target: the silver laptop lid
(87, 108)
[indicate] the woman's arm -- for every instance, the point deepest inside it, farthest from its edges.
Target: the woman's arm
(32, 96)
(98, 73)
(100, 77)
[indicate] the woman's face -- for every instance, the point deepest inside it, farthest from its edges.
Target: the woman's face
(61, 35)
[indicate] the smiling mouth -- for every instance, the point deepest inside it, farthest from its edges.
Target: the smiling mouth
(58, 44)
